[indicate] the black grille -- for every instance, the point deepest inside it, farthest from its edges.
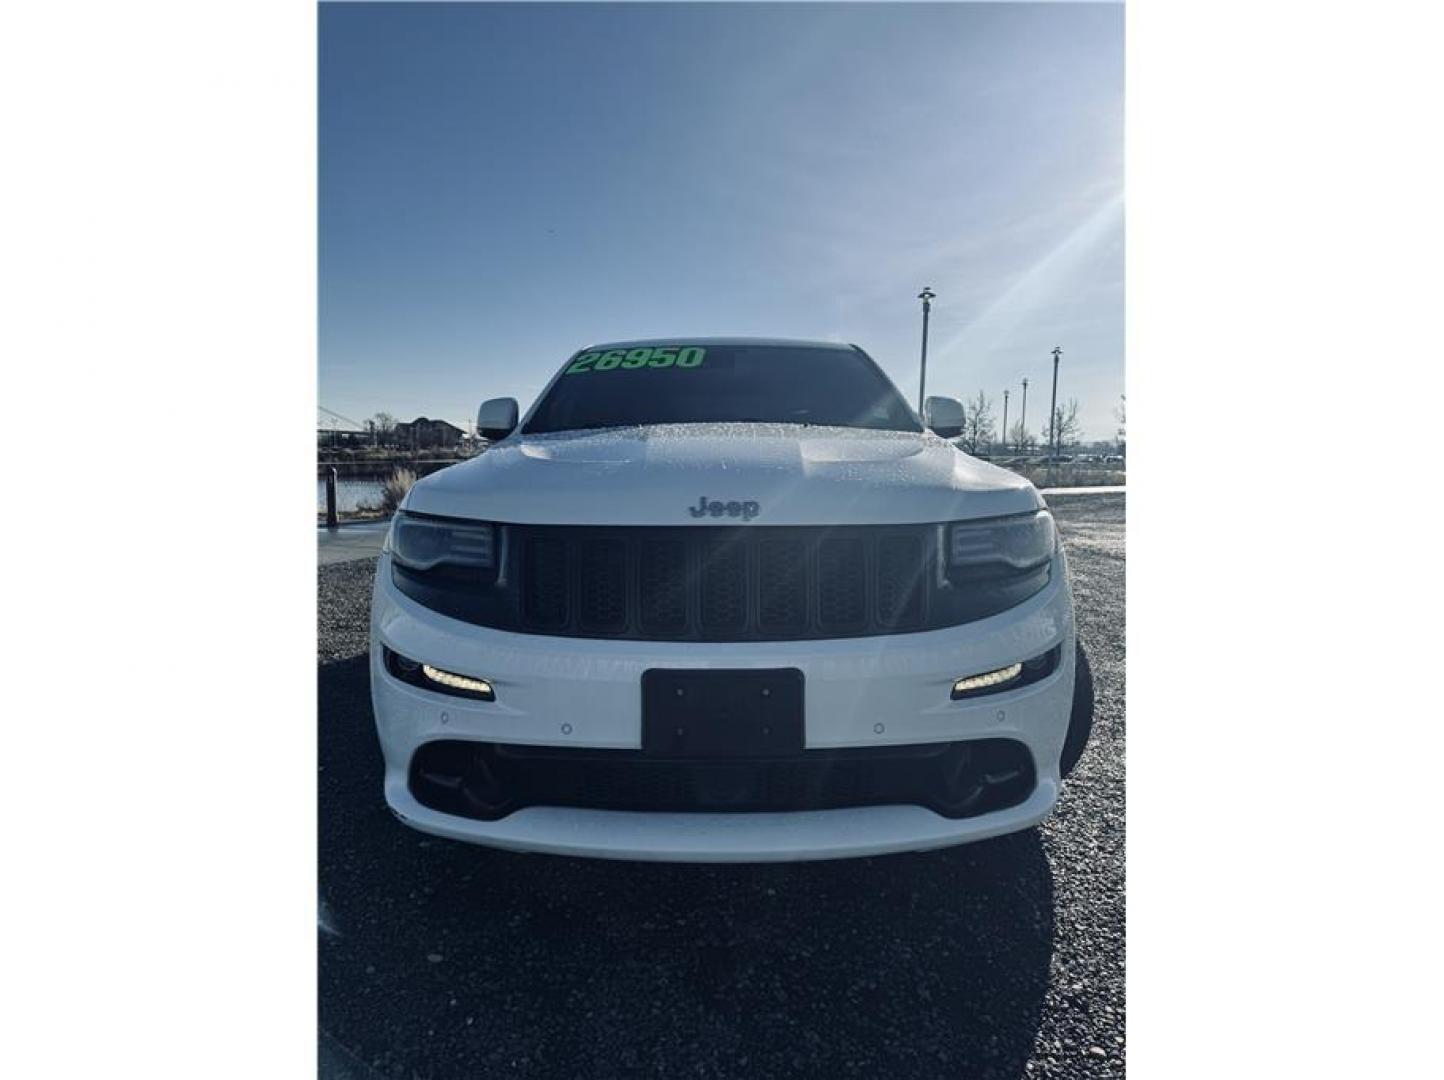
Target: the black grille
(490, 780)
(723, 584)
(717, 583)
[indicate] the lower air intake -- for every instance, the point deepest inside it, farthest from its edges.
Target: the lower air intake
(487, 781)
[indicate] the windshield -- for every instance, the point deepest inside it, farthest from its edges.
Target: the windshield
(694, 384)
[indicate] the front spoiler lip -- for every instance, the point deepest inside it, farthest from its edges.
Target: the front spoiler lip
(791, 836)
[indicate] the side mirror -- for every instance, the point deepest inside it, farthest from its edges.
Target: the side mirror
(496, 419)
(944, 415)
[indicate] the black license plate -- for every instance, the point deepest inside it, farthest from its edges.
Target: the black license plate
(746, 712)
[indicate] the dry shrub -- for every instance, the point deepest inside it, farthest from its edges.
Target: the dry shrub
(395, 489)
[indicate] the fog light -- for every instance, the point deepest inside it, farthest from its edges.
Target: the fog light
(988, 680)
(463, 683)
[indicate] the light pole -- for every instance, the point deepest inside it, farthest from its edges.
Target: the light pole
(1004, 439)
(1053, 407)
(926, 296)
(1023, 419)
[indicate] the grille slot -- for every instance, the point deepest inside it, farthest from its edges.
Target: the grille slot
(782, 585)
(662, 584)
(901, 576)
(841, 583)
(544, 590)
(603, 565)
(723, 585)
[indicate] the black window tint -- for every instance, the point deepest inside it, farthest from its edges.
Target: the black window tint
(767, 383)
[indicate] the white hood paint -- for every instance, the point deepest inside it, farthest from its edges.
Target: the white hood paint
(651, 475)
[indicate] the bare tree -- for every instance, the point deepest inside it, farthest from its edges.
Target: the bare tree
(1020, 437)
(1120, 413)
(381, 426)
(977, 422)
(1065, 429)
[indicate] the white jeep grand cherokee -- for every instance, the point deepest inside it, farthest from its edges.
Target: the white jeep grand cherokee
(722, 599)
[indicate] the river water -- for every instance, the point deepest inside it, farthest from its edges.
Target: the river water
(350, 494)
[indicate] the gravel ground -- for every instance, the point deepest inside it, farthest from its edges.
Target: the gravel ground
(999, 959)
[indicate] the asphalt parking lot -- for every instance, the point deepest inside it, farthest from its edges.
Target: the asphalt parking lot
(1000, 959)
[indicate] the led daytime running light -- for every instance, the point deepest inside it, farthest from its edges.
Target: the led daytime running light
(988, 679)
(456, 682)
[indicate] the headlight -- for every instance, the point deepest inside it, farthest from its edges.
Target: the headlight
(419, 543)
(1002, 545)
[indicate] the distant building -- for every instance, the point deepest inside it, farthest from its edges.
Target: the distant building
(332, 438)
(424, 434)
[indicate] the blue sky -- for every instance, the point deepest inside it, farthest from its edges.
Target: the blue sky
(501, 184)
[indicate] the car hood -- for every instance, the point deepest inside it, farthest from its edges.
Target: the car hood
(656, 475)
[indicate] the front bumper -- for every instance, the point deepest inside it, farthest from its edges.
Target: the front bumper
(860, 692)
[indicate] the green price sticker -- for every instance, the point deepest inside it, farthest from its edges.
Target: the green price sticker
(633, 359)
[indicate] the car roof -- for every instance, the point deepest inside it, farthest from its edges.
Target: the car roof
(709, 342)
